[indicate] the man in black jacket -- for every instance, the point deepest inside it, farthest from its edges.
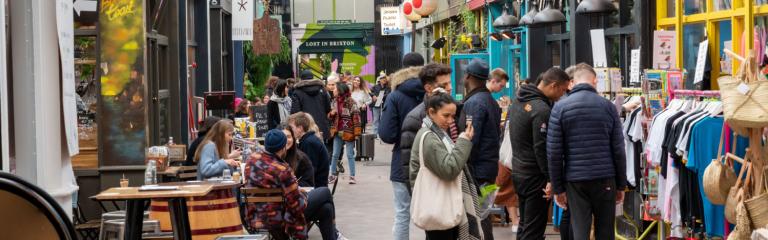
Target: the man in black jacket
(301, 124)
(585, 148)
(309, 96)
(529, 114)
(432, 76)
(485, 113)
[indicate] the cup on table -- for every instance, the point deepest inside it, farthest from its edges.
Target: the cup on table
(123, 182)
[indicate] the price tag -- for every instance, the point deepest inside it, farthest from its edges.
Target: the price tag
(743, 88)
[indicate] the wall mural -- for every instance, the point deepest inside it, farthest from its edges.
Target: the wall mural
(122, 117)
(350, 45)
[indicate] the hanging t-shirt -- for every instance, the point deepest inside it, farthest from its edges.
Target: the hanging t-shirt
(629, 146)
(705, 139)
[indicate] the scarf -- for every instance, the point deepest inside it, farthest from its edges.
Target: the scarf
(469, 228)
(284, 106)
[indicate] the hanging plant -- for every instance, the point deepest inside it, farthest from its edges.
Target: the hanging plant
(258, 68)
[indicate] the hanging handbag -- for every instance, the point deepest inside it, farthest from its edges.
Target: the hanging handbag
(719, 176)
(357, 123)
(436, 204)
(736, 194)
(745, 98)
(757, 207)
(505, 152)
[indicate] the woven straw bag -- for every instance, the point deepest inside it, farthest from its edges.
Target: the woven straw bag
(745, 98)
(719, 177)
(758, 206)
(743, 230)
(736, 194)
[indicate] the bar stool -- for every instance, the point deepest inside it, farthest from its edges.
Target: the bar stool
(115, 229)
(114, 215)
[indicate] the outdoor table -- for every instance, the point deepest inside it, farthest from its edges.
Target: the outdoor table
(136, 200)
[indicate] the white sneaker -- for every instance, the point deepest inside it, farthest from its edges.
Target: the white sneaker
(514, 228)
(340, 236)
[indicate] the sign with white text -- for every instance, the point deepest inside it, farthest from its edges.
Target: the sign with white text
(242, 20)
(664, 49)
(392, 22)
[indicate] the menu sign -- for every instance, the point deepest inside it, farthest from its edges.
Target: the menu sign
(260, 117)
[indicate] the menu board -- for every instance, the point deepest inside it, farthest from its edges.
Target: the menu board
(261, 119)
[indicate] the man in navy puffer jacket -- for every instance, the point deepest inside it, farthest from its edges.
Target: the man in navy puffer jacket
(406, 94)
(585, 148)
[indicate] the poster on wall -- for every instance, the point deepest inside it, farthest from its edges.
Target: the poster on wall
(65, 28)
(123, 111)
(242, 20)
(392, 22)
(664, 49)
(599, 56)
(634, 69)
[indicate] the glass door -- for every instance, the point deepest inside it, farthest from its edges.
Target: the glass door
(458, 63)
(159, 94)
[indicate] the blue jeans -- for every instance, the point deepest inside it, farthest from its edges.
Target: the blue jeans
(402, 202)
(376, 117)
(350, 146)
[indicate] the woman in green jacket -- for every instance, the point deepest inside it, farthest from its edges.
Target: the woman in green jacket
(447, 160)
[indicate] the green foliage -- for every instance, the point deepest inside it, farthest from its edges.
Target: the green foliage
(325, 60)
(468, 19)
(258, 68)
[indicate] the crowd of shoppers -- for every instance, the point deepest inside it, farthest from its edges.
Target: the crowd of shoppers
(565, 141)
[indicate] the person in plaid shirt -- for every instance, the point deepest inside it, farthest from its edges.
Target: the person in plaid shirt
(283, 220)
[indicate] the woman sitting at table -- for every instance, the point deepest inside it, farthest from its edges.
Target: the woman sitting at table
(207, 125)
(298, 160)
(214, 145)
(287, 220)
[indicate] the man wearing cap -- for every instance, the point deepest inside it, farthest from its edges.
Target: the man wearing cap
(379, 94)
(269, 171)
(485, 115)
(407, 92)
(310, 97)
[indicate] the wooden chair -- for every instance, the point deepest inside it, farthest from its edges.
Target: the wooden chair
(35, 214)
(261, 195)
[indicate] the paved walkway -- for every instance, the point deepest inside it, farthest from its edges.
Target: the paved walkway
(365, 211)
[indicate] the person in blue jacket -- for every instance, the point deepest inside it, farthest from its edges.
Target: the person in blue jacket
(407, 93)
(210, 154)
(585, 151)
(484, 114)
(309, 142)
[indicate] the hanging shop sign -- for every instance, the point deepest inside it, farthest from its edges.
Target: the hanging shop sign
(701, 62)
(331, 45)
(266, 35)
(634, 69)
(65, 25)
(664, 49)
(599, 57)
(242, 20)
(392, 21)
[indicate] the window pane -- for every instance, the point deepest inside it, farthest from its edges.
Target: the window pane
(555, 48)
(761, 2)
(693, 34)
(719, 5)
(670, 8)
(725, 37)
(694, 7)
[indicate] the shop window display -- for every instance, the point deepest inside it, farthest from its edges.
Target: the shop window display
(691, 7)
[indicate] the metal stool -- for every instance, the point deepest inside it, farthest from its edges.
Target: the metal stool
(115, 229)
(114, 215)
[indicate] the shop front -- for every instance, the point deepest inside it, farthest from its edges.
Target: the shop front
(339, 48)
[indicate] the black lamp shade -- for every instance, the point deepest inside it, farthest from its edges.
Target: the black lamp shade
(595, 6)
(527, 19)
(439, 43)
(505, 21)
(549, 15)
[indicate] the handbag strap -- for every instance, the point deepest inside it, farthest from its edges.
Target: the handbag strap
(720, 146)
(744, 169)
(421, 149)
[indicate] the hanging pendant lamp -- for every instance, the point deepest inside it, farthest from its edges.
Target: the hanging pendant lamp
(595, 6)
(549, 15)
(527, 19)
(505, 21)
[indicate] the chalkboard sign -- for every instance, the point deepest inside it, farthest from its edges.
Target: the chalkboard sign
(260, 117)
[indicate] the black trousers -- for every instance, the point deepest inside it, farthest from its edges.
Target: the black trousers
(592, 198)
(448, 234)
(320, 208)
(565, 226)
(534, 208)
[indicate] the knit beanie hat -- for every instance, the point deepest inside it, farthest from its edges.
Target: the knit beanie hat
(274, 140)
(413, 59)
